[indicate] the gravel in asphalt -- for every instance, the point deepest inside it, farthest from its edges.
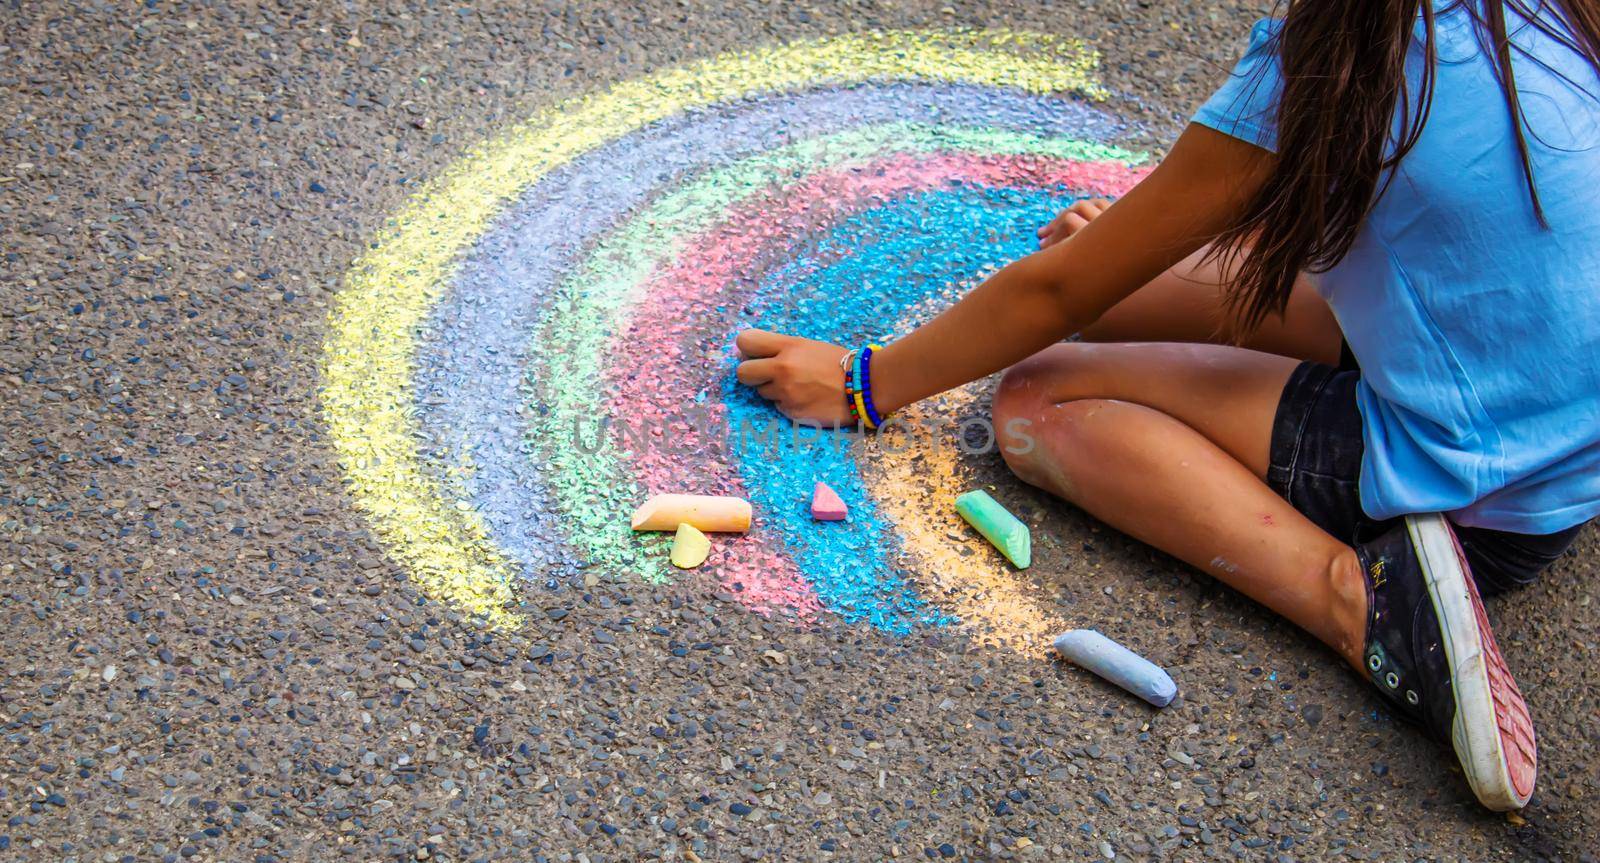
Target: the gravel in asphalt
(210, 656)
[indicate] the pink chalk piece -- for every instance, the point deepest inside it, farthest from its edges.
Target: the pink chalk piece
(826, 505)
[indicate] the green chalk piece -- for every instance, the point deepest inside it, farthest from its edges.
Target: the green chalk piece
(1002, 528)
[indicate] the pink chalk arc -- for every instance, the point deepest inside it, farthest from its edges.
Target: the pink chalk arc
(669, 343)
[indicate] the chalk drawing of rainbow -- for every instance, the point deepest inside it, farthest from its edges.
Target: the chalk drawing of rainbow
(591, 265)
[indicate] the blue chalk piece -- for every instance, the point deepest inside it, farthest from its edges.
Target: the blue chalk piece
(1118, 664)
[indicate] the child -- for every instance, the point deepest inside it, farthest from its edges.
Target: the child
(1339, 349)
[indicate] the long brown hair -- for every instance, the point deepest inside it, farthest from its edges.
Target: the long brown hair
(1344, 72)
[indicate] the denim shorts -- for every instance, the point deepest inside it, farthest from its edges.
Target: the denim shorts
(1316, 466)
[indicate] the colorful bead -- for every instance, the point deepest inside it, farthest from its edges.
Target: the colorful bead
(865, 390)
(858, 387)
(848, 364)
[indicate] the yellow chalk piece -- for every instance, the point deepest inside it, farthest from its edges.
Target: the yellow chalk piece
(710, 514)
(689, 547)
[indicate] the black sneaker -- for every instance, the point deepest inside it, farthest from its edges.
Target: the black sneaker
(1430, 652)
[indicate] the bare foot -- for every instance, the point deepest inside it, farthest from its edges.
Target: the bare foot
(1069, 221)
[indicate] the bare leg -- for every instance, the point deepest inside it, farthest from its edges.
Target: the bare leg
(1169, 443)
(1186, 304)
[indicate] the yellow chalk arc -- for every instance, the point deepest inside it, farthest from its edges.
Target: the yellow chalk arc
(370, 346)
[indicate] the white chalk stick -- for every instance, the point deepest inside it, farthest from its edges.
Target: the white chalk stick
(1118, 664)
(710, 514)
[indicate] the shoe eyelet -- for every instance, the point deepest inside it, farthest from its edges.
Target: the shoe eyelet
(1412, 697)
(1374, 662)
(1392, 679)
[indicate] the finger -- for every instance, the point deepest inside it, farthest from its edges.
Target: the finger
(770, 392)
(1052, 226)
(1071, 223)
(1054, 235)
(759, 343)
(1092, 208)
(754, 373)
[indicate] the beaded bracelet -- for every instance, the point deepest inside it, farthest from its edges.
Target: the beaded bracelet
(849, 363)
(857, 367)
(870, 407)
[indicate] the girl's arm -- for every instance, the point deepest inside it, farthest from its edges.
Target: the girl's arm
(1195, 193)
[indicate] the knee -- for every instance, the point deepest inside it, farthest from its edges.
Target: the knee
(1038, 382)
(1017, 410)
(1043, 442)
(1019, 393)
(1063, 372)
(1041, 408)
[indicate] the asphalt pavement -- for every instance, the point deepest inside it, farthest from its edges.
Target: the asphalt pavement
(211, 654)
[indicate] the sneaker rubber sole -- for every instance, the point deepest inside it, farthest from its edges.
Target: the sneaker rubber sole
(1493, 732)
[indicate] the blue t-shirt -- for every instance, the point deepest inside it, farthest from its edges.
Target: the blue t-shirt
(1477, 330)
